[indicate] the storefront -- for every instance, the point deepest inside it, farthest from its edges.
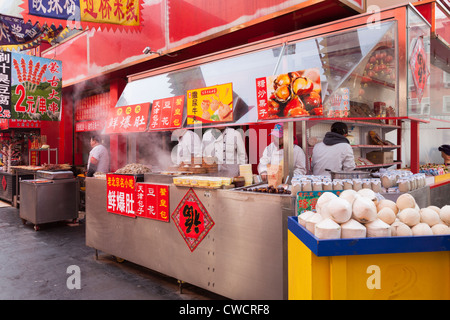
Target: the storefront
(236, 243)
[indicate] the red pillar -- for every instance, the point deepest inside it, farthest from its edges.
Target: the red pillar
(414, 146)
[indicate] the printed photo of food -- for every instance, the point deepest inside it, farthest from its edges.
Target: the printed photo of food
(294, 94)
(211, 104)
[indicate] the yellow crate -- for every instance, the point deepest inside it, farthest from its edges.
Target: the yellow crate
(385, 276)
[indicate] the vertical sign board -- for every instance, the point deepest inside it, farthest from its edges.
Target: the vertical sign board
(167, 113)
(5, 84)
(121, 195)
(418, 63)
(152, 201)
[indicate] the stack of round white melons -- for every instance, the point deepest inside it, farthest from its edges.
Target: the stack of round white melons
(359, 214)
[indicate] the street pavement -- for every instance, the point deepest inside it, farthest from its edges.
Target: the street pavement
(54, 263)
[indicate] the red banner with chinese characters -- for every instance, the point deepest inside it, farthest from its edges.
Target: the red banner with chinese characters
(121, 194)
(76, 14)
(125, 119)
(192, 220)
(167, 113)
(152, 201)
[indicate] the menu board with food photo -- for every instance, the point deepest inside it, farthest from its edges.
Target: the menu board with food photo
(211, 104)
(289, 95)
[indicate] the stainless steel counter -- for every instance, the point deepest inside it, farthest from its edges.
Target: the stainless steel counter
(244, 255)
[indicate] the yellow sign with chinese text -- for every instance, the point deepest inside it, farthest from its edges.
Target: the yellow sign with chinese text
(211, 104)
(121, 12)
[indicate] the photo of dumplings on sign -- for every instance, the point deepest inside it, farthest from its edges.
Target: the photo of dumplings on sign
(211, 104)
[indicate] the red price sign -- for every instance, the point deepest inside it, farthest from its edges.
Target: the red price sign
(152, 201)
(167, 113)
(121, 195)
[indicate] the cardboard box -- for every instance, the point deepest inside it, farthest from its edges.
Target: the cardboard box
(379, 157)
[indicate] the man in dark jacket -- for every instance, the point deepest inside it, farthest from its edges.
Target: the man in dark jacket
(334, 152)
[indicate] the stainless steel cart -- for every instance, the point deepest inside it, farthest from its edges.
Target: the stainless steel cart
(52, 197)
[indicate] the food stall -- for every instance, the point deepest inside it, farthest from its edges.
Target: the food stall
(190, 224)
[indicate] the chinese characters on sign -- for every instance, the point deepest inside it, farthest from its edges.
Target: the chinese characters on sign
(306, 200)
(152, 201)
(192, 220)
(211, 104)
(94, 13)
(339, 103)
(167, 113)
(418, 63)
(30, 87)
(37, 91)
(289, 95)
(16, 34)
(128, 119)
(121, 195)
(91, 111)
(5, 84)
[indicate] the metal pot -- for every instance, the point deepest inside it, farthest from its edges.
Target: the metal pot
(349, 174)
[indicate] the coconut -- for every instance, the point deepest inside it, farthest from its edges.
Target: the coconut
(445, 214)
(404, 201)
(338, 209)
(422, 229)
(387, 215)
(399, 229)
(348, 195)
(409, 216)
(387, 203)
(311, 222)
(353, 229)
(323, 199)
(368, 193)
(327, 229)
(429, 216)
(378, 228)
(364, 210)
(302, 217)
(440, 229)
(437, 209)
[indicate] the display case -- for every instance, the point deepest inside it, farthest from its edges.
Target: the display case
(367, 73)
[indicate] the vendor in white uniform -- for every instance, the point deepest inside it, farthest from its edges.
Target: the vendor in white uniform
(98, 157)
(189, 145)
(334, 152)
(273, 154)
(228, 149)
